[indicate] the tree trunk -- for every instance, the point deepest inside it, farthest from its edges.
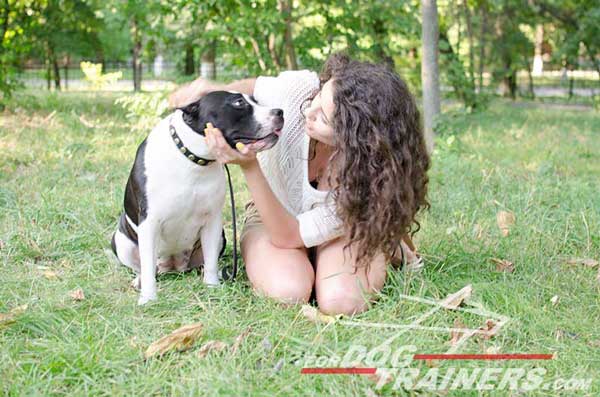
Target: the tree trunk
(48, 75)
(429, 68)
(208, 69)
(53, 64)
(538, 61)
(56, 71)
(482, 36)
(531, 85)
(190, 65)
(136, 62)
(286, 7)
(469, 24)
(66, 66)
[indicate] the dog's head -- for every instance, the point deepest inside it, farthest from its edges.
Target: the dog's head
(239, 117)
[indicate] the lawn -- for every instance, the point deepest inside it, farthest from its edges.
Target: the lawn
(64, 160)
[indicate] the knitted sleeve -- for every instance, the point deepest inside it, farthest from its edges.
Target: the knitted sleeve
(319, 225)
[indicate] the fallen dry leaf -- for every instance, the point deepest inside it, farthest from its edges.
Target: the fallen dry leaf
(594, 343)
(313, 314)
(211, 345)
(8, 318)
(505, 221)
(77, 294)
(239, 339)
(181, 339)
(554, 300)
(581, 261)
(453, 301)
(489, 328)
(502, 265)
(454, 334)
(50, 275)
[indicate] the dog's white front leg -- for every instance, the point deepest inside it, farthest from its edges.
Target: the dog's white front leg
(147, 238)
(210, 237)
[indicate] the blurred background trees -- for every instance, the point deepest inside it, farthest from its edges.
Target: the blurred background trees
(485, 47)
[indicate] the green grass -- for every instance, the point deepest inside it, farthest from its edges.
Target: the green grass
(61, 187)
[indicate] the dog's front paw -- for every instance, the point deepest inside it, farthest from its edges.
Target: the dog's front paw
(143, 299)
(211, 280)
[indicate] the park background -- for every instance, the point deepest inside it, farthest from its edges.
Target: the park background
(513, 186)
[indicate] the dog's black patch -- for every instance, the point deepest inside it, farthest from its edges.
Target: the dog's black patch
(136, 202)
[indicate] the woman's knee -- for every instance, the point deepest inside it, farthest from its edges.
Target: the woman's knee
(290, 291)
(282, 274)
(340, 302)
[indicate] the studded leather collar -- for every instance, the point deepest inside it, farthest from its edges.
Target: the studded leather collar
(194, 158)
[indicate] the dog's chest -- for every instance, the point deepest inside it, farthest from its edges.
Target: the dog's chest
(182, 196)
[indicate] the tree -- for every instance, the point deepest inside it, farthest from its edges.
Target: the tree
(429, 68)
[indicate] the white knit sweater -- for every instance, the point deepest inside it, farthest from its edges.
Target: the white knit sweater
(285, 166)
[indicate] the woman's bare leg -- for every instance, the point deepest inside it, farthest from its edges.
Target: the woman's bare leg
(283, 274)
(339, 288)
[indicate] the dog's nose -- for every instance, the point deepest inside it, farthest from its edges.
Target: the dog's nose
(277, 112)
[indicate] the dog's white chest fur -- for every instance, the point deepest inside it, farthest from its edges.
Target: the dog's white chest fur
(182, 196)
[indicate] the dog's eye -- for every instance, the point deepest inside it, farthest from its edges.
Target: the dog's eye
(239, 103)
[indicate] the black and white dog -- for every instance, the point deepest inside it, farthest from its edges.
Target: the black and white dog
(176, 190)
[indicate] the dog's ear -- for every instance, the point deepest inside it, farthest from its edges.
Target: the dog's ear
(192, 109)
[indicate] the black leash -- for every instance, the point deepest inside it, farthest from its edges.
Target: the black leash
(226, 275)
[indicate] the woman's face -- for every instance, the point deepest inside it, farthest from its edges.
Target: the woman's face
(319, 115)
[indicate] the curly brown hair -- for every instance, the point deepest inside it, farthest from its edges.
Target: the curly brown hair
(379, 159)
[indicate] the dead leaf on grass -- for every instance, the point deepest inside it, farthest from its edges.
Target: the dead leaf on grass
(77, 294)
(589, 262)
(505, 221)
(10, 317)
(313, 314)
(50, 274)
(181, 339)
(503, 265)
(489, 328)
(455, 335)
(210, 346)
(453, 301)
(239, 339)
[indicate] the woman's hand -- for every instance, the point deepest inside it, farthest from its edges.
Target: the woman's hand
(192, 92)
(244, 156)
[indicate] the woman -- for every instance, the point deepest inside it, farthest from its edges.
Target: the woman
(334, 198)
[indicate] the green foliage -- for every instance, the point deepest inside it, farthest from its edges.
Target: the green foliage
(144, 109)
(93, 75)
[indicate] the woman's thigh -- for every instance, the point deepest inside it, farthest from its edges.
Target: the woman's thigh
(340, 287)
(284, 274)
